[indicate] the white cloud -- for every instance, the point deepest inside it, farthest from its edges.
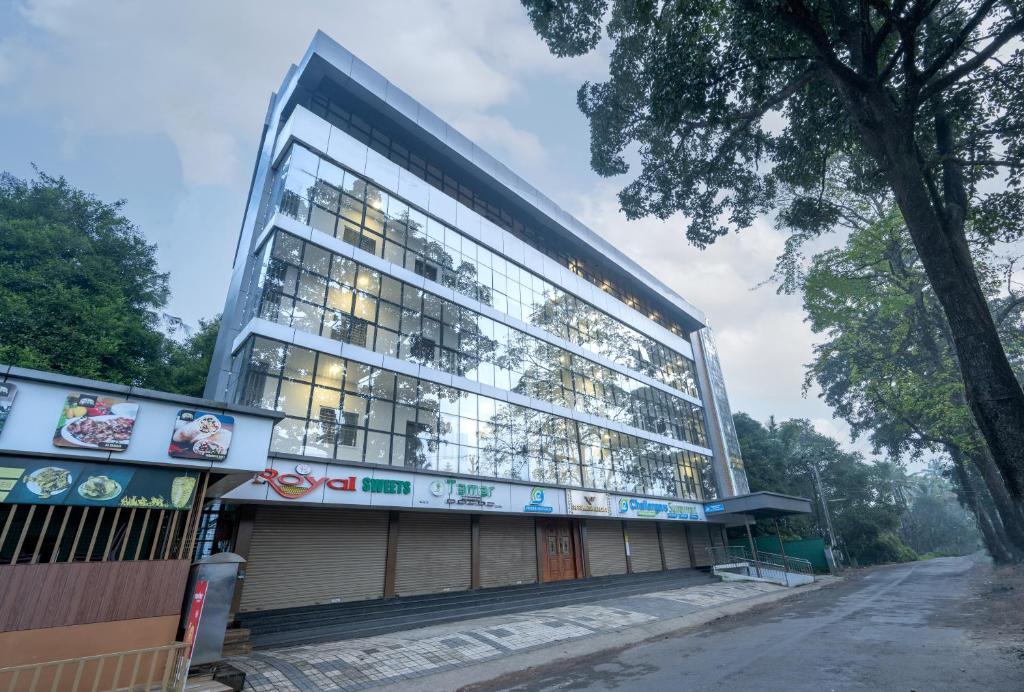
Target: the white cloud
(502, 139)
(199, 75)
(201, 72)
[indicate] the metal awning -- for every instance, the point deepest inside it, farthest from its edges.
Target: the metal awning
(763, 505)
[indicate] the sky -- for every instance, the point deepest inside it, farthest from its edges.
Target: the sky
(161, 104)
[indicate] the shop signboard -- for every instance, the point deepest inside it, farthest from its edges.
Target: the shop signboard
(328, 484)
(322, 483)
(61, 482)
(588, 503)
(627, 507)
(714, 508)
(537, 500)
(201, 435)
(476, 495)
(92, 421)
(8, 390)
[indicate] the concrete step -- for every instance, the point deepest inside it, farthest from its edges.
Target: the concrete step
(363, 619)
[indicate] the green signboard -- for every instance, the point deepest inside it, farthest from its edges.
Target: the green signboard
(60, 482)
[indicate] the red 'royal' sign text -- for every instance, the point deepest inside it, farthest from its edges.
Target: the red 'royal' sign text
(292, 486)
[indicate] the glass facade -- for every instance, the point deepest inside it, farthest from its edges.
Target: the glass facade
(352, 412)
(302, 285)
(418, 162)
(346, 206)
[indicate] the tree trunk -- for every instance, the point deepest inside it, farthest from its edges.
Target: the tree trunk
(996, 541)
(1009, 511)
(993, 392)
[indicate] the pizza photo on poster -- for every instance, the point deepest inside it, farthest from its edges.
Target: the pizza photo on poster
(201, 435)
(92, 421)
(7, 393)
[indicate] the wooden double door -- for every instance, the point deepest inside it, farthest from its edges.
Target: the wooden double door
(559, 549)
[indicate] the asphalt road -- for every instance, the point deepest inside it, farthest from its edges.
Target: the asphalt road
(921, 626)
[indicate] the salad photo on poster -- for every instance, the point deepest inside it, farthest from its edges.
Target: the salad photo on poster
(7, 394)
(201, 435)
(91, 421)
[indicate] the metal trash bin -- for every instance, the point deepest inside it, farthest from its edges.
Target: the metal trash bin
(220, 573)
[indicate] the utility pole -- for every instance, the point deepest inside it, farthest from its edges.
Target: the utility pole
(828, 517)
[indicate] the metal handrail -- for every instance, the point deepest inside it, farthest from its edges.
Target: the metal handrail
(770, 566)
(156, 668)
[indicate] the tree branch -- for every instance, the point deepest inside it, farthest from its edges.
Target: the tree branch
(1009, 32)
(958, 41)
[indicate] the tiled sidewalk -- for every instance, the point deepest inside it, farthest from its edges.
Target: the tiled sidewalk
(356, 664)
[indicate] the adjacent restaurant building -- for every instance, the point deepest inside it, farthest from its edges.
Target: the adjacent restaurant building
(476, 389)
(102, 488)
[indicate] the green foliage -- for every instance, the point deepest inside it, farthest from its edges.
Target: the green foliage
(865, 500)
(936, 523)
(735, 109)
(183, 367)
(79, 284)
(738, 108)
(80, 291)
(887, 364)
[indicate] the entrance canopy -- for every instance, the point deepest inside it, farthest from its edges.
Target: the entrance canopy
(764, 505)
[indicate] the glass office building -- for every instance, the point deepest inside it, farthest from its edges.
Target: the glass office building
(422, 315)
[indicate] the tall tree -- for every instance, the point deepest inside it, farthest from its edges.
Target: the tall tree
(864, 508)
(81, 290)
(740, 107)
(887, 364)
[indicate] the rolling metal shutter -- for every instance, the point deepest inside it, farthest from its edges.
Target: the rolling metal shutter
(644, 550)
(606, 548)
(433, 553)
(311, 555)
(701, 542)
(508, 551)
(673, 539)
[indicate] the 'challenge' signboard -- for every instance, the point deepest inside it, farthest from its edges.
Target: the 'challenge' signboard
(642, 508)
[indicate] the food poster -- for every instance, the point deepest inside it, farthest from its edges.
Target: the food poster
(90, 421)
(7, 394)
(201, 435)
(58, 482)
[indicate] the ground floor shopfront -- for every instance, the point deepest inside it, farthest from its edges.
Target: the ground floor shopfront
(306, 555)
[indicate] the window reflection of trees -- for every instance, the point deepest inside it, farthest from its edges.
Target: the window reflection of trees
(309, 288)
(353, 412)
(346, 206)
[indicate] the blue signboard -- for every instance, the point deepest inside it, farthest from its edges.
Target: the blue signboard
(711, 509)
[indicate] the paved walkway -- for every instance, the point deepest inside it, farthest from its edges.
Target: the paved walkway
(356, 664)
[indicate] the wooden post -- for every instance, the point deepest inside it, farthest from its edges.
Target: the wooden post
(689, 545)
(242, 544)
(625, 541)
(661, 546)
(753, 548)
(586, 553)
(538, 528)
(474, 551)
(391, 561)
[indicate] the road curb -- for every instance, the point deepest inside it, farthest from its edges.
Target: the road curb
(586, 646)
